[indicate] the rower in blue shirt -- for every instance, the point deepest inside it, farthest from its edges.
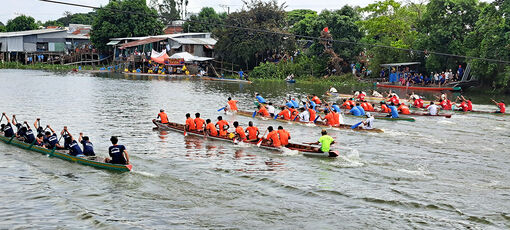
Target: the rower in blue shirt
(355, 111)
(312, 104)
(335, 108)
(394, 111)
(289, 104)
(295, 103)
(28, 134)
(74, 148)
(117, 153)
(260, 99)
(7, 128)
(361, 110)
(51, 139)
(88, 147)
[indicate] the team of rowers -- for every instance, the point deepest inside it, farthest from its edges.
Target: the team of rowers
(47, 138)
(275, 138)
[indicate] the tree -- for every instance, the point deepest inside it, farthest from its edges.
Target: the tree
(124, 18)
(392, 24)
(21, 23)
(169, 12)
(79, 18)
(295, 16)
(443, 28)
(249, 47)
(52, 23)
(206, 21)
(2, 27)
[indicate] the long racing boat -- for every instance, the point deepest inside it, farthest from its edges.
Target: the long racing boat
(304, 149)
(425, 88)
(95, 161)
(318, 124)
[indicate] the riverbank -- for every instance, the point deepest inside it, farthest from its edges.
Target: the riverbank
(42, 66)
(346, 80)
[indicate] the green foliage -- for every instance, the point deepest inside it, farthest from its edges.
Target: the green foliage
(21, 23)
(301, 66)
(2, 28)
(247, 47)
(42, 66)
(110, 23)
(206, 21)
(295, 16)
(168, 10)
(78, 18)
(52, 23)
(342, 26)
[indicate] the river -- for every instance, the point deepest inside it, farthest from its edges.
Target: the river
(435, 173)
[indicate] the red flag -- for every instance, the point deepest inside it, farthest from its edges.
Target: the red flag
(326, 29)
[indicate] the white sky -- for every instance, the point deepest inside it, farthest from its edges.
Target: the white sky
(44, 11)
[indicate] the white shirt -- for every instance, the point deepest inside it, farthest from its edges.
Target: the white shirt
(333, 90)
(377, 94)
(304, 116)
(432, 109)
(270, 109)
(370, 122)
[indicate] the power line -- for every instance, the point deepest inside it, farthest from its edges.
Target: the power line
(287, 34)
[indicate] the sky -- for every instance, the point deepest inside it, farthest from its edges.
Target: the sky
(44, 11)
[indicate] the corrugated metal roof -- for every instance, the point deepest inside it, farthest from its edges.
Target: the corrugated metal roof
(162, 36)
(195, 41)
(77, 36)
(141, 42)
(400, 64)
(29, 32)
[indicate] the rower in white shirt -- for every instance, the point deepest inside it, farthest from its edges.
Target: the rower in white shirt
(432, 108)
(304, 116)
(369, 122)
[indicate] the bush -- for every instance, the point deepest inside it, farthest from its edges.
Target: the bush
(302, 66)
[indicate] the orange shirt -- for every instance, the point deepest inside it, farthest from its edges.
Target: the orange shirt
(293, 113)
(404, 109)
(212, 129)
(191, 124)
(233, 105)
(370, 108)
(285, 114)
(164, 117)
(364, 106)
(284, 137)
(330, 118)
(221, 125)
(240, 131)
(336, 118)
(263, 111)
(312, 114)
(274, 137)
(351, 102)
(199, 123)
(385, 109)
(316, 100)
(346, 105)
(252, 132)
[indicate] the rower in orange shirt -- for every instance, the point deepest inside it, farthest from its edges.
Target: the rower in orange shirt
(330, 119)
(384, 108)
(312, 113)
(272, 138)
(293, 113)
(285, 113)
(222, 126)
(284, 136)
(351, 102)
(163, 116)
(239, 131)
(336, 118)
(232, 105)
(263, 111)
(199, 122)
(346, 104)
(210, 129)
(364, 105)
(190, 124)
(370, 107)
(403, 109)
(316, 99)
(253, 132)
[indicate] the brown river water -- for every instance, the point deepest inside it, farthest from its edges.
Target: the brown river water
(435, 173)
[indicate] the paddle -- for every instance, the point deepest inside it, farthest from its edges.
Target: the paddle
(275, 116)
(254, 114)
(2, 117)
(222, 108)
(356, 125)
(295, 118)
(261, 139)
(315, 121)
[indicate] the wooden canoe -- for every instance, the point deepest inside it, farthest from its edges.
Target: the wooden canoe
(373, 99)
(385, 118)
(301, 148)
(318, 124)
(97, 162)
(225, 79)
(424, 88)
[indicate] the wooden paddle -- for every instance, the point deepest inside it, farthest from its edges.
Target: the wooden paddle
(261, 139)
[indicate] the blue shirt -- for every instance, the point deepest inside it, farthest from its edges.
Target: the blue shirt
(74, 149)
(29, 136)
(117, 154)
(289, 104)
(394, 111)
(8, 132)
(52, 141)
(355, 111)
(88, 148)
(241, 75)
(361, 110)
(261, 99)
(312, 104)
(295, 103)
(335, 108)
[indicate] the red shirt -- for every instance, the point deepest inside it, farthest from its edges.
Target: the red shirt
(502, 108)
(240, 131)
(212, 129)
(273, 136)
(199, 123)
(191, 124)
(284, 136)
(469, 106)
(464, 106)
(252, 132)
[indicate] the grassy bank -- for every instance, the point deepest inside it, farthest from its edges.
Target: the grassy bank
(41, 66)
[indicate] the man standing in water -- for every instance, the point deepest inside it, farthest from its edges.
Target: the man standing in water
(118, 153)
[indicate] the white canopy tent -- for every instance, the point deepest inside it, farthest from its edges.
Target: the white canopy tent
(189, 57)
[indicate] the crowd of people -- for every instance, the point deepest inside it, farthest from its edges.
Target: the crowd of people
(47, 138)
(407, 77)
